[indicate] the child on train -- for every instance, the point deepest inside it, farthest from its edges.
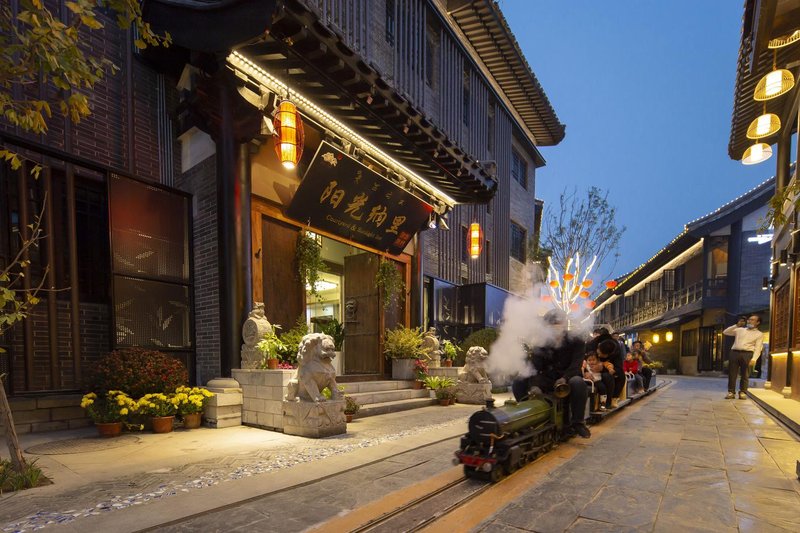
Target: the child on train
(594, 370)
(631, 368)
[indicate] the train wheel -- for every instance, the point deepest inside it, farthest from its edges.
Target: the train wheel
(469, 471)
(511, 467)
(496, 473)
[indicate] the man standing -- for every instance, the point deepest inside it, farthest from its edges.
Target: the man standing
(747, 344)
(559, 362)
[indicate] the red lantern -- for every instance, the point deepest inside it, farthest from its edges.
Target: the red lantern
(289, 135)
(574, 307)
(554, 283)
(546, 298)
(584, 294)
(590, 304)
(587, 283)
(475, 240)
(611, 284)
(568, 276)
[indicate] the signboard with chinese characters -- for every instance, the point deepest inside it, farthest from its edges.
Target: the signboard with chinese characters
(341, 196)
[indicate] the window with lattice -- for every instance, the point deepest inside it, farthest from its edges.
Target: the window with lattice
(780, 319)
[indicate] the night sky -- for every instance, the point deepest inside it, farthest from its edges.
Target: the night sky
(645, 88)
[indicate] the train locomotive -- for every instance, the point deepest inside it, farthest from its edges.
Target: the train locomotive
(500, 440)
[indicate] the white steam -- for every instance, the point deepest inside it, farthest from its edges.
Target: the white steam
(523, 324)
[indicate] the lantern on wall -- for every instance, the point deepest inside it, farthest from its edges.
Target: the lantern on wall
(656, 338)
(610, 284)
(668, 336)
(475, 240)
(289, 135)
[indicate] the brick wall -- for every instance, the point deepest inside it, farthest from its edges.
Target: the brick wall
(201, 182)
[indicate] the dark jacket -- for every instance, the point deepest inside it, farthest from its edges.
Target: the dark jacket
(591, 346)
(564, 361)
(615, 359)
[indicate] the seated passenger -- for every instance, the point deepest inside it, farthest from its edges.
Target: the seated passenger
(557, 363)
(640, 353)
(631, 368)
(602, 379)
(609, 354)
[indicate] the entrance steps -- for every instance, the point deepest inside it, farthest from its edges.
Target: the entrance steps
(389, 396)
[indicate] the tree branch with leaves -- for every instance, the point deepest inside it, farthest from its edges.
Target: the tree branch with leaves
(584, 225)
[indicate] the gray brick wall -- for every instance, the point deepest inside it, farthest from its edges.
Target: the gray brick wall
(201, 182)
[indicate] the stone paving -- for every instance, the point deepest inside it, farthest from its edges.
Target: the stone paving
(687, 461)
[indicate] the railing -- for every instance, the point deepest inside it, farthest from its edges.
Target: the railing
(653, 310)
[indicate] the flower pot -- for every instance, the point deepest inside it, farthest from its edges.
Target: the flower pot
(445, 401)
(272, 364)
(192, 420)
(348, 417)
(162, 424)
(417, 384)
(403, 369)
(448, 362)
(110, 429)
(452, 401)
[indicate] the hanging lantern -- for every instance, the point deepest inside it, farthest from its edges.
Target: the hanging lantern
(784, 40)
(568, 276)
(554, 283)
(668, 336)
(584, 294)
(610, 284)
(475, 240)
(587, 283)
(656, 338)
(590, 304)
(774, 84)
(574, 307)
(764, 126)
(289, 135)
(758, 153)
(547, 298)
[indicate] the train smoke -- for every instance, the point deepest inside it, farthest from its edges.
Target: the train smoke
(523, 324)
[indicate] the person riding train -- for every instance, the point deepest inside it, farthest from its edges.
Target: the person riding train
(559, 362)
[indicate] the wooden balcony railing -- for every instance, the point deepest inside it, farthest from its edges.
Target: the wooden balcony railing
(653, 310)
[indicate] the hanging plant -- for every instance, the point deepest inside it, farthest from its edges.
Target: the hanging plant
(309, 261)
(389, 281)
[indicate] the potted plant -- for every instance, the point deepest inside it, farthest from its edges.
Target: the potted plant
(449, 352)
(108, 411)
(440, 386)
(389, 282)
(403, 345)
(420, 372)
(270, 347)
(309, 261)
(161, 408)
(191, 402)
(335, 329)
(351, 407)
(445, 396)
(290, 341)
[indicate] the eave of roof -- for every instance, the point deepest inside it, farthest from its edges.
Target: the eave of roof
(486, 27)
(755, 61)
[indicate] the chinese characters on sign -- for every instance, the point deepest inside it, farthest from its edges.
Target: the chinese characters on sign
(341, 196)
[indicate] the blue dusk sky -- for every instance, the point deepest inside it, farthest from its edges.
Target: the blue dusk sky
(645, 88)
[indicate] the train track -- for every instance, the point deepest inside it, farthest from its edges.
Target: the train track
(421, 512)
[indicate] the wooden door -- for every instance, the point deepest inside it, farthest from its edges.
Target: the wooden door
(284, 294)
(362, 315)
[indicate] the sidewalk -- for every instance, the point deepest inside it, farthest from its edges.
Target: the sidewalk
(93, 478)
(688, 460)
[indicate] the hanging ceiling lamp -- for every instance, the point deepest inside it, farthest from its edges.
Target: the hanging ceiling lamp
(774, 83)
(764, 126)
(474, 240)
(757, 153)
(289, 135)
(784, 40)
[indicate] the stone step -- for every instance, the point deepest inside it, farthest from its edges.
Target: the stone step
(394, 406)
(374, 386)
(366, 398)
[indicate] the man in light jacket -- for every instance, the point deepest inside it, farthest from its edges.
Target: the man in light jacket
(747, 344)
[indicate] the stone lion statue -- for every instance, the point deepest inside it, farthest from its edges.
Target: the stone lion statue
(475, 366)
(314, 370)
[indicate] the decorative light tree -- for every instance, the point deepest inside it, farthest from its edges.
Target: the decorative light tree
(568, 287)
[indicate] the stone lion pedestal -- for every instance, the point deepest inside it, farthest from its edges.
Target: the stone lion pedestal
(314, 419)
(476, 393)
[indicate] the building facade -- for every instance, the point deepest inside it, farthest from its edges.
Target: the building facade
(682, 298)
(765, 113)
(174, 214)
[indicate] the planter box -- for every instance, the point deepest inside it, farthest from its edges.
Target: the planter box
(262, 394)
(403, 369)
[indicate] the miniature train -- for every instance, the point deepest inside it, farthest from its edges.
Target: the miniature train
(500, 440)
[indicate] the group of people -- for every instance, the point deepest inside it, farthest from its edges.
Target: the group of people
(603, 364)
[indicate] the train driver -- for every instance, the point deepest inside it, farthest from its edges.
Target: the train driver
(557, 363)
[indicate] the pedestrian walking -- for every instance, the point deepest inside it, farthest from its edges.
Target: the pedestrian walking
(747, 345)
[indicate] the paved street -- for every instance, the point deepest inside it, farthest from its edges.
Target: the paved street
(687, 461)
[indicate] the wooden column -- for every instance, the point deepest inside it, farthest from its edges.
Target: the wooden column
(24, 233)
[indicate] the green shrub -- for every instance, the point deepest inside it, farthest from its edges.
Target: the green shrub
(404, 343)
(291, 341)
(29, 478)
(335, 329)
(483, 338)
(137, 371)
